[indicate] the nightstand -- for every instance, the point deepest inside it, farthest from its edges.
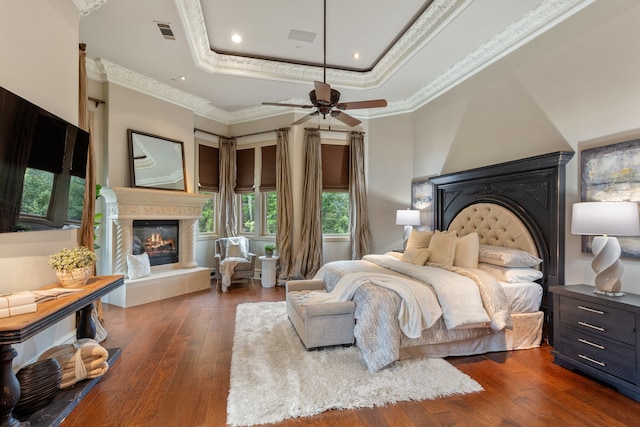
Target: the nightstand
(598, 335)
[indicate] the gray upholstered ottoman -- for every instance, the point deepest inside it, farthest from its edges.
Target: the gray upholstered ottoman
(322, 324)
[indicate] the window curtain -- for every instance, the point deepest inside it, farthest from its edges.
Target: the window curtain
(360, 233)
(309, 257)
(284, 227)
(86, 234)
(227, 224)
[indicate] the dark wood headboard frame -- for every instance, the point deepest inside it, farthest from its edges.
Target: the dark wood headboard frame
(532, 188)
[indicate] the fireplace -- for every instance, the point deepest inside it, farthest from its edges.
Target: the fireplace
(125, 206)
(158, 238)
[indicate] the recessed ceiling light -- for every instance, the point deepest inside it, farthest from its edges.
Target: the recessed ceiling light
(356, 55)
(236, 38)
(182, 78)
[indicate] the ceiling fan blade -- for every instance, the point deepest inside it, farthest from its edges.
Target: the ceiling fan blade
(345, 118)
(278, 104)
(305, 118)
(373, 103)
(323, 92)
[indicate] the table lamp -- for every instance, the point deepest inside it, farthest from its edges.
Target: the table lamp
(605, 220)
(408, 218)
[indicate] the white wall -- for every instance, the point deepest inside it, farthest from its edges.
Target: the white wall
(128, 109)
(575, 87)
(390, 170)
(39, 57)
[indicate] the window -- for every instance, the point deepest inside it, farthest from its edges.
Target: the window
(207, 218)
(335, 189)
(209, 184)
(270, 203)
(245, 187)
(335, 212)
(247, 213)
(268, 190)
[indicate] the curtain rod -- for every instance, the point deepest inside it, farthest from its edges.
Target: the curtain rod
(335, 130)
(239, 136)
(97, 101)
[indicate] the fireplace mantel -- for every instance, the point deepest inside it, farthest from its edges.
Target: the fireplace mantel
(125, 204)
(142, 203)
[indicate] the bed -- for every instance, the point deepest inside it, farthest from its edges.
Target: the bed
(515, 207)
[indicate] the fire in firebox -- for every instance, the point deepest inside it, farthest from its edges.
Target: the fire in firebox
(158, 238)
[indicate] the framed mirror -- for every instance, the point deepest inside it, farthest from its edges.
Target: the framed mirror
(156, 162)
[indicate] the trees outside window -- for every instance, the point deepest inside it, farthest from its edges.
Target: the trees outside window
(247, 213)
(270, 216)
(335, 212)
(207, 218)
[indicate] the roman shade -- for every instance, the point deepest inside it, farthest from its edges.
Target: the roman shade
(335, 167)
(268, 169)
(208, 168)
(245, 165)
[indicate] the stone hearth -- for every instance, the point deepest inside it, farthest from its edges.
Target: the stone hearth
(122, 206)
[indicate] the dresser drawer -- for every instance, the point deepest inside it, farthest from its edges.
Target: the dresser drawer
(598, 319)
(615, 359)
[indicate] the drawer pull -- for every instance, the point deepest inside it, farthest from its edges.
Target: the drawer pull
(597, 328)
(592, 344)
(590, 310)
(591, 360)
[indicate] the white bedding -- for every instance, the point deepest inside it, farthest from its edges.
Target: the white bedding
(524, 297)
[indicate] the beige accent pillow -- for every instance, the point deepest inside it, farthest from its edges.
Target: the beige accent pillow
(417, 256)
(443, 247)
(467, 251)
(138, 266)
(419, 239)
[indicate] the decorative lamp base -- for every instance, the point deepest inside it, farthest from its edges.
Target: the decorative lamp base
(607, 265)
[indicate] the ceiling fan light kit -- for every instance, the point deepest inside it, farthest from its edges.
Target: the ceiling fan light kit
(327, 100)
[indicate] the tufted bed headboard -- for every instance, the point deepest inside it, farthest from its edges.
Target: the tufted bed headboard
(495, 225)
(518, 204)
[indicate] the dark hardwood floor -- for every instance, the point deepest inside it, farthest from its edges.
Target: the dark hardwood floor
(176, 354)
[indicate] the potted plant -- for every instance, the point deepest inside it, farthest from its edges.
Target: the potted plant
(73, 266)
(268, 250)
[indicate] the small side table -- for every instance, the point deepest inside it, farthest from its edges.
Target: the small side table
(268, 271)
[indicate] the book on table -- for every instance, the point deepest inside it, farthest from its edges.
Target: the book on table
(43, 295)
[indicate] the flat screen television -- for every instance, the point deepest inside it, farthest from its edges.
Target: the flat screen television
(42, 167)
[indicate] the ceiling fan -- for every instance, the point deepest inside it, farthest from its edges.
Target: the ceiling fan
(326, 100)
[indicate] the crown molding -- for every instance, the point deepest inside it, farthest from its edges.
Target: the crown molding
(532, 24)
(87, 6)
(105, 71)
(435, 17)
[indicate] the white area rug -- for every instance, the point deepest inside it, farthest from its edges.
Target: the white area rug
(274, 378)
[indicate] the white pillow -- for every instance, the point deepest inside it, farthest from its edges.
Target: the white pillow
(507, 257)
(511, 274)
(138, 266)
(443, 247)
(467, 251)
(236, 248)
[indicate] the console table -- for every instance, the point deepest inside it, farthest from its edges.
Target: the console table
(17, 329)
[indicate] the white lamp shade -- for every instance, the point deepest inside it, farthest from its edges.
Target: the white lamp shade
(408, 217)
(605, 218)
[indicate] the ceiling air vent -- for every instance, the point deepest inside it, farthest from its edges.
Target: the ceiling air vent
(165, 30)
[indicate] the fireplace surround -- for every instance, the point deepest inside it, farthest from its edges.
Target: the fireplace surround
(123, 206)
